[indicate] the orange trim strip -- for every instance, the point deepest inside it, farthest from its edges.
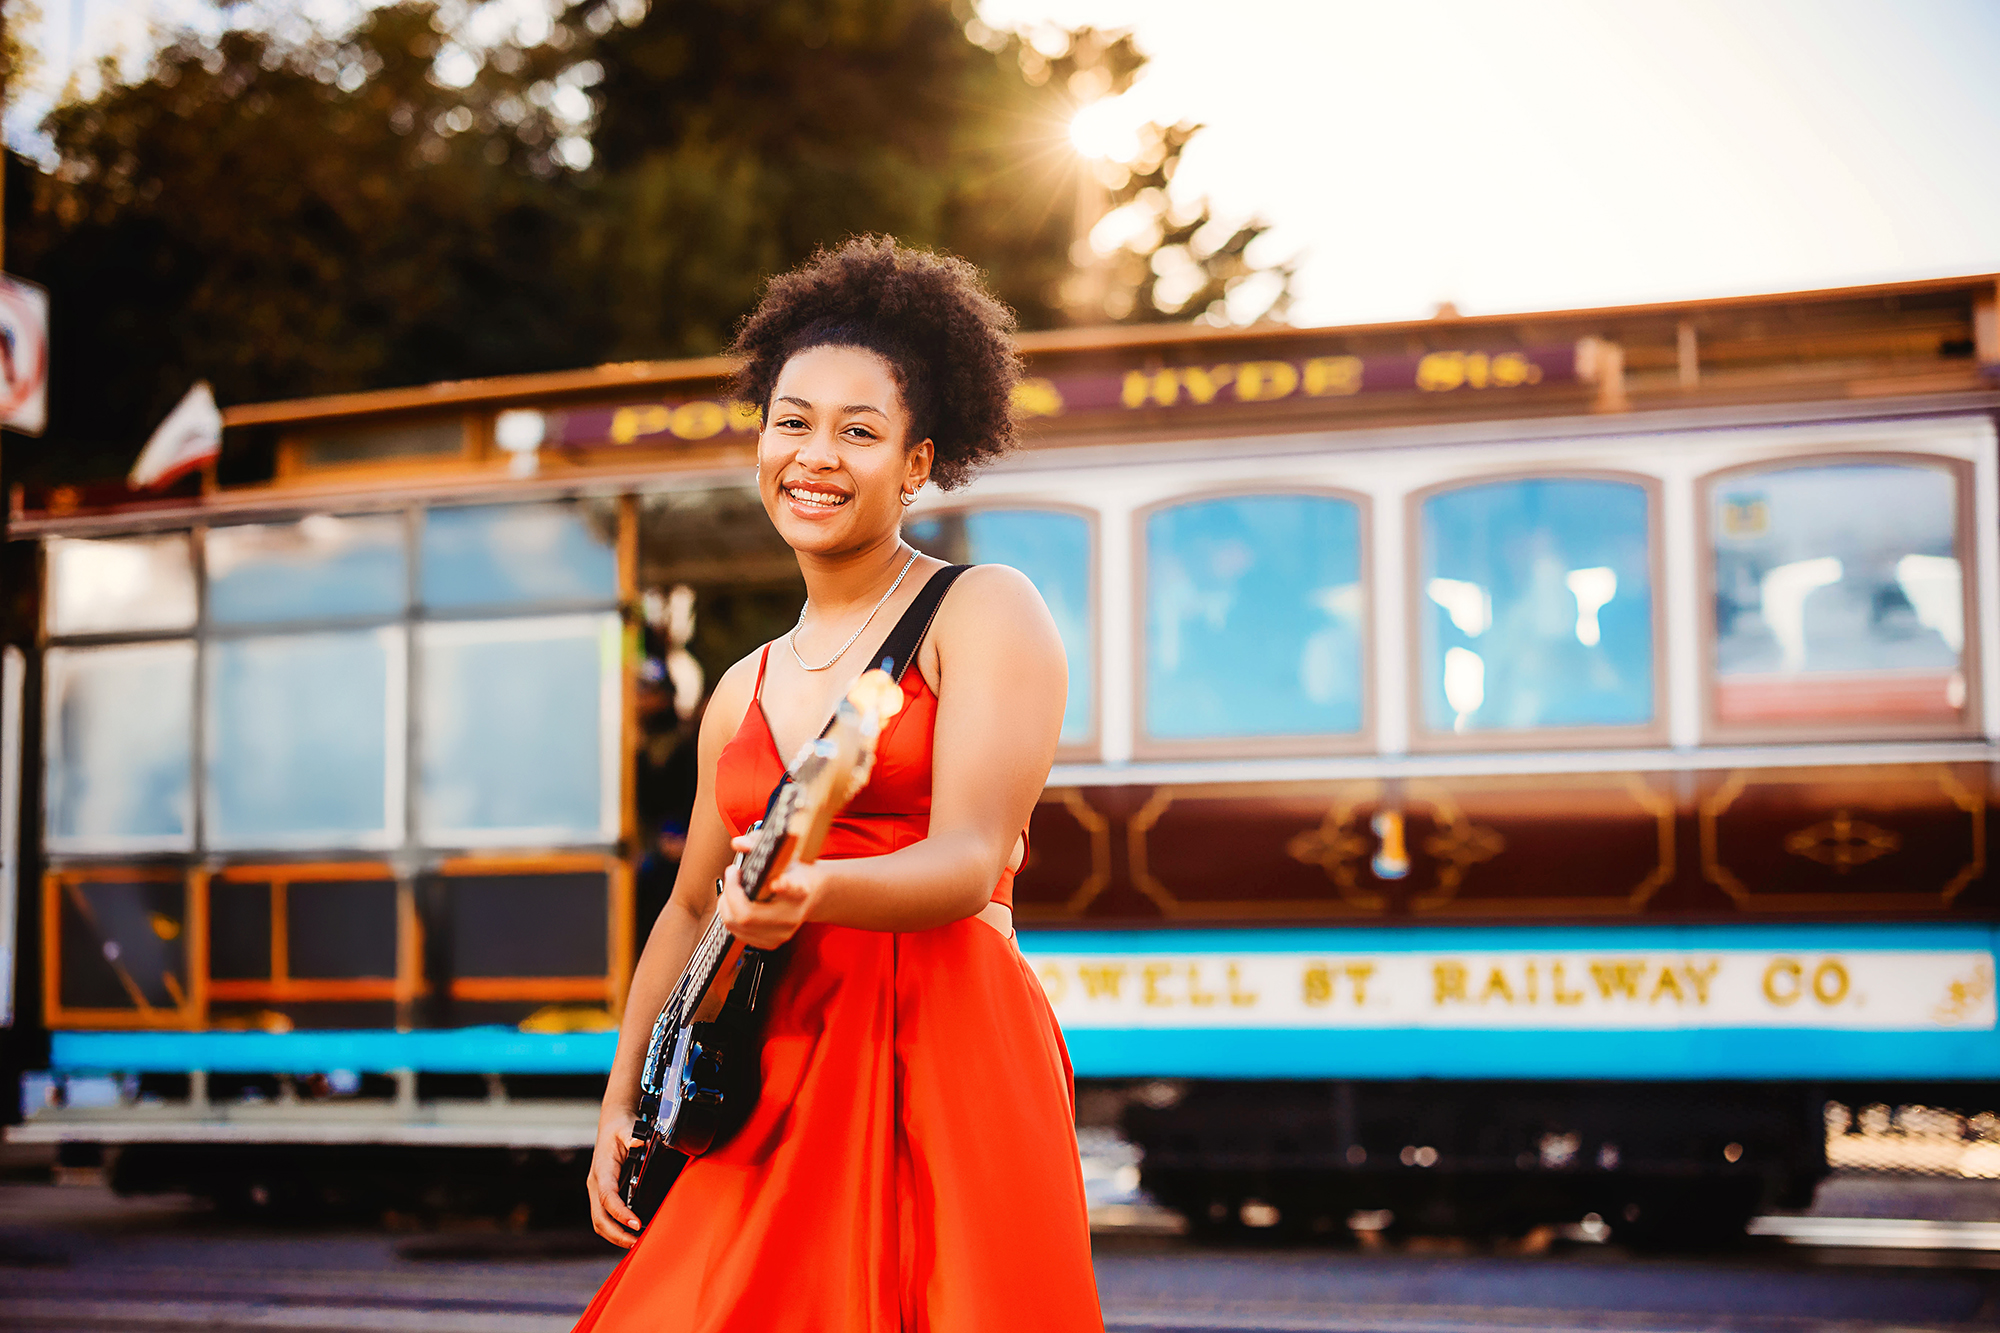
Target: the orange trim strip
(531, 988)
(347, 988)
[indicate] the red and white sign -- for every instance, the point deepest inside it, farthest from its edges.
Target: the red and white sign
(24, 355)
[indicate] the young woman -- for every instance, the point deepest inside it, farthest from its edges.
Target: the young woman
(910, 1163)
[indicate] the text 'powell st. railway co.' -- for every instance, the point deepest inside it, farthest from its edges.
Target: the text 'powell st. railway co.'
(1853, 989)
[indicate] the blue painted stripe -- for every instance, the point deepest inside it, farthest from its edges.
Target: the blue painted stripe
(1235, 1053)
(480, 1050)
(1761, 1053)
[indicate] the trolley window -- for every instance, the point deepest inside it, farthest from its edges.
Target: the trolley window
(120, 586)
(1535, 606)
(304, 739)
(519, 729)
(117, 743)
(321, 567)
(1839, 596)
(1053, 548)
(1254, 611)
(509, 555)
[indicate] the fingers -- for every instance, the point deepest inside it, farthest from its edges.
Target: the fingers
(605, 1223)
(609, 1217)
(734, 906)
(743, 842)
(764, 924)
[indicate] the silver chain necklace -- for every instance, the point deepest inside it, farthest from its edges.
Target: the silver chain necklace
(793, 638)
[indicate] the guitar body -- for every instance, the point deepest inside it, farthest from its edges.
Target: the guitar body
(712, 1081)
(707, 1089)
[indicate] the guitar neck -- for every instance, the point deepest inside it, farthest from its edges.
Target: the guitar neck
(717, 950)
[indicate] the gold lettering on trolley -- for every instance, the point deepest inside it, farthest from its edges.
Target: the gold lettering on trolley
(1203, 385)
(629, 423)
(1260, 381)
(1102, 980)
(1782, 982)
(1785, 982)
(1332, 376)
(1699, 977)
(1155, 973)
(1038, 397)
(1556, 991)
(701, 419)
(1496, 985)
(1237, 995)
(1666, 982)
(1618, 978)
(1054, 983)
(1162, 386)
(698, 420)
(1322, 982)
(1449, 982)
(1441, 372)
(1196, 995)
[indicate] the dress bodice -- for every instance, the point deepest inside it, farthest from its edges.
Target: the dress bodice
(891, 812)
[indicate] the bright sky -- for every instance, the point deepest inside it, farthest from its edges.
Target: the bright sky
(1554, 153)
(1543, 153)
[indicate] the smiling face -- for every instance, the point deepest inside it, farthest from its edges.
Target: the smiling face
(836, 456)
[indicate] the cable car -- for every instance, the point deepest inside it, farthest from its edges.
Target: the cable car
(1515, 767)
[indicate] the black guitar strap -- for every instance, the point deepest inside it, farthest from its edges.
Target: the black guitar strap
(900, 648)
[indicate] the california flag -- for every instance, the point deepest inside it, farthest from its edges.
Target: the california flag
(190, 436)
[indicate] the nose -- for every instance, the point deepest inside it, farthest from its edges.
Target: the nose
(818, 451)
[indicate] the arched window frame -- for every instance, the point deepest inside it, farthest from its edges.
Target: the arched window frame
(1426, 738)
(1087, 749)
(1964, 545)
(1146, 746)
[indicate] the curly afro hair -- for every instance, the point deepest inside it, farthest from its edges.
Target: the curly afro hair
(945, 337)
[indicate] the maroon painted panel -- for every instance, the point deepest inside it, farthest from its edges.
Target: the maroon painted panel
(1885, 842)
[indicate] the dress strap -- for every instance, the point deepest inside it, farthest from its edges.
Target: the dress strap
(763, 660)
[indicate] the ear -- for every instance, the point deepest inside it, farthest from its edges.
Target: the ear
(919, 460)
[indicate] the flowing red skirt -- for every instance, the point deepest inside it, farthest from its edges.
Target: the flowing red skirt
(910, 1165)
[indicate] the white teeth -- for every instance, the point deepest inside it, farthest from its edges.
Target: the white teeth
(820, 498)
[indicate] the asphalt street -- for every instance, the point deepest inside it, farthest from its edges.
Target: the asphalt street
(75, 1257)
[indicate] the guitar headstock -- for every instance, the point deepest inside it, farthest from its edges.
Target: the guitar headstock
(829, 771)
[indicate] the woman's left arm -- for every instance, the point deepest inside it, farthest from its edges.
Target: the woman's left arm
(1002, 684)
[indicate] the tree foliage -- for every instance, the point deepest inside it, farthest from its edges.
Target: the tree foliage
(291, 212)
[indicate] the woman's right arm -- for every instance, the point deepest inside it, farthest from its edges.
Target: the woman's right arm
(667, 951)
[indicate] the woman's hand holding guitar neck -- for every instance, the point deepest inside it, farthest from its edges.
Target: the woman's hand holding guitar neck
(785, 904)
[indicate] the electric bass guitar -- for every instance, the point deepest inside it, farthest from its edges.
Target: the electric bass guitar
(700, 1076)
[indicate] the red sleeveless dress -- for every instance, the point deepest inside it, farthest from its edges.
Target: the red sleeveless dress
(911, 1162)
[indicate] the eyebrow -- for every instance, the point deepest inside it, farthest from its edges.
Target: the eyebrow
(851, 407)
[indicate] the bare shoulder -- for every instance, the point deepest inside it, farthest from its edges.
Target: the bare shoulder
(992, 599)
(993, 608)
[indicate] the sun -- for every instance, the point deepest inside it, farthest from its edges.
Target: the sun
(1103, 131)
